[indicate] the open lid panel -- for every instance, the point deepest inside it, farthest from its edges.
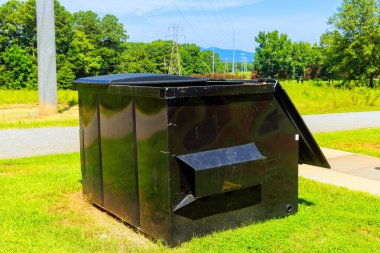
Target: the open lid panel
(309, 151)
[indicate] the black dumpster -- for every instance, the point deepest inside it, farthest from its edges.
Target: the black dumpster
(181, 156)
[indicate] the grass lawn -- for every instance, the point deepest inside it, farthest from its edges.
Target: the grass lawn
(362, 141)
(30, 97)
(42, 211)
(310, 98)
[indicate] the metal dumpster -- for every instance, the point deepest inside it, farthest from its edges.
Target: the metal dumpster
(181, 156)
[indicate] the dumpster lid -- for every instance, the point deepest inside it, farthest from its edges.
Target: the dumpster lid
(140, 79)
(309, 151)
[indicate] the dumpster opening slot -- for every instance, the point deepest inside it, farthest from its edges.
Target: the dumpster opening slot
(196, 208)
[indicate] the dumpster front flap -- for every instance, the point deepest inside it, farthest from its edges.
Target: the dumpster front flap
(309, 151)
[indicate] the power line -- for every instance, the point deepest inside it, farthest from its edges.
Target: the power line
(184, 18)
(214, 12)
(199, 21)
(210, 22)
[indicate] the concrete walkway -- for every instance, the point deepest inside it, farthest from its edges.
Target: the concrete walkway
(354, 171)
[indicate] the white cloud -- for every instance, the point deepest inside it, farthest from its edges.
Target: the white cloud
(141, 7)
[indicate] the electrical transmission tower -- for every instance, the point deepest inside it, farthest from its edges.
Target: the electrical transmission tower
(175, 58)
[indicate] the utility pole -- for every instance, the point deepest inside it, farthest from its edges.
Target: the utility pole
(175, 58)
(213, 60)
(47, 70)
(233, 53)
(225, 65)
(243, 63)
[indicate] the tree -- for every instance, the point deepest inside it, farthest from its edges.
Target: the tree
(20, 68)
(113, 35)
(273, 56)
(64, 31)
(307, 60)
(106, 35)
(355, 41)
(135, 59)
(82, 56)
(159, 53)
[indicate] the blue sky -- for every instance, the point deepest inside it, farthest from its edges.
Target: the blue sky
(211, 22)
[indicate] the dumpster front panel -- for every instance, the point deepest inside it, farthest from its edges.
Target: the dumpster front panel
(222, 197)
(153, 175)
(92, 181)
(118, 163)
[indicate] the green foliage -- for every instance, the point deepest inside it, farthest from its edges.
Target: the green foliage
(64, 31)
(193, 60)
(353, 47)
(155, 58)
(278, 57)
(83, 56)
(20, 69)
(273, 55)
(9, 24)
(65, 75)
(135, 59)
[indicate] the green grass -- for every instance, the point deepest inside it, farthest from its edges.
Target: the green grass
(362, 141)
(317, 97)
(42, 211)
(12, 97)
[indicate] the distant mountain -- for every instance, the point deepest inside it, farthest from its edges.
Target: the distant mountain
(226, 54)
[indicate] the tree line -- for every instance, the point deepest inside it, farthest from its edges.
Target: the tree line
(349, 51)
(86, 45)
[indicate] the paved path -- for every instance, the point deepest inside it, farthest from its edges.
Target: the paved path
(342, 121)
(38, 141)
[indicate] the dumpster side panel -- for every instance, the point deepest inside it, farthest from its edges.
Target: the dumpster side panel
(92, 181)
(213, 123)
(153, 176)
(118, 164)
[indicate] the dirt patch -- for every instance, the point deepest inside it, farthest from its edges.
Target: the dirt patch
(91, 216)
(10, 170)
(374, 146)
(18, 112)
(9, 173)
